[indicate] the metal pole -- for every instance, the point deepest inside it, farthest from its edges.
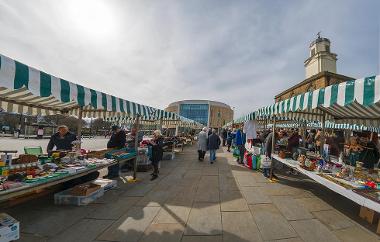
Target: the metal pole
(273, 145)
(137, 125)
(323, 133)
(79, 130)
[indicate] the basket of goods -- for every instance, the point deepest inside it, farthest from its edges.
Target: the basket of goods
(301, 159)
(25, 159)
(84, 189)
(99, 154)
(310, 165)
(282, 154)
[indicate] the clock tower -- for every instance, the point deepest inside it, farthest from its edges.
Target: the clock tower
(320, 57)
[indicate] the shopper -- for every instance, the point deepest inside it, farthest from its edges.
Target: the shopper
(202, 144)
(268, 150)
(224, 136)
(213, 145)
(157, 144)
(117, 141)
(229, 140)
(293, 141)
(62, 140)
(240, 142)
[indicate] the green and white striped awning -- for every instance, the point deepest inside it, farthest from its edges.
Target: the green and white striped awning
(24, 89)
(351, 102)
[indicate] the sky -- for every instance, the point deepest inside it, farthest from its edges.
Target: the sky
(238, 52)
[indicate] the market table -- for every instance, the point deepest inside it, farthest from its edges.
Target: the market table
(31, 187)
(348, 193)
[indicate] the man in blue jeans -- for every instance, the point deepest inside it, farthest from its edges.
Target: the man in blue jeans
(213, 145)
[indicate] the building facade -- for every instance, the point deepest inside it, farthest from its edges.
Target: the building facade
(320, 70)
(209, 113)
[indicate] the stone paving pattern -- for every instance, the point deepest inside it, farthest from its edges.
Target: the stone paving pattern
(197, 201)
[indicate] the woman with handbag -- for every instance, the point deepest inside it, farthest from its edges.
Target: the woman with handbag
(202, 144)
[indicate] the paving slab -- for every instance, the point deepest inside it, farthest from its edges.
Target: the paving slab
(313, 230)
(287, 240)
(233, 201)
(333, 219)
(85, 231)
(50, 223)
(163, 233)
(272, 224)
(209, 182)
(290, 208)
(227, 183)
(131, 226)
(204, 219)
(140, 190)
(199, 238)
(207, 195)
(155, 198)
(31, 238)
(113, 210)
(110, 196)
(355, 234)
(314, 204)
(246, 180)
(255, 195)
(277, 189)
(173, 214)
(239, 226)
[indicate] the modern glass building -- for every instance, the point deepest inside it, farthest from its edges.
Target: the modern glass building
(209, 113)
(196, 112)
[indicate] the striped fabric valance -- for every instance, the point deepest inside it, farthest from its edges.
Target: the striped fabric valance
(24, 89)
(354, 102)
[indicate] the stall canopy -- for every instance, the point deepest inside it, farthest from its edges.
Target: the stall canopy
(24, 89)
(351, 102)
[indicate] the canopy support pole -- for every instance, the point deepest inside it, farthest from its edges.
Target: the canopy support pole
(161, 123)
(273, 145)
(323, 138)
(79, 130)
(137, 126)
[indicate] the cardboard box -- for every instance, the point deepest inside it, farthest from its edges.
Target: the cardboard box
(9, 228)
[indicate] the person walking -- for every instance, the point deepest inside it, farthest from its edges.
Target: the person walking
(229, 140)
(157, 144)
(202, 144)
(240, 142)
(224, 136)
(213, 145)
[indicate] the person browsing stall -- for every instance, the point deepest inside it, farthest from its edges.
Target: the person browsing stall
(157, 144)
(117, 141)
(62, 140)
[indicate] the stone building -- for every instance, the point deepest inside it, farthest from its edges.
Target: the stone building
(320, 70)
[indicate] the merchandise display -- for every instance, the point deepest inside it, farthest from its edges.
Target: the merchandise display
(28, 171)
(351, 170)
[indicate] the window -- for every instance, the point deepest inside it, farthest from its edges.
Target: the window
(327, 48)
(312, 51)
(196, 112)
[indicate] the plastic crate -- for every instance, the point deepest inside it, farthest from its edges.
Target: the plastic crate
(65, 198)
(106, 184)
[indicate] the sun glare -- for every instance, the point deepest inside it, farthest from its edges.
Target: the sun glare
(92, 18)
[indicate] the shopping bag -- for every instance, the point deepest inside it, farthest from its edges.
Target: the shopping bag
(266, 162)
(236, 152)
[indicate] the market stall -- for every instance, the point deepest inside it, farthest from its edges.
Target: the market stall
(26, 90)
(352, 105)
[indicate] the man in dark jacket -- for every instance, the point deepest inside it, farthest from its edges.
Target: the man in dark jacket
(157, 144)
(117, 141)
(62, 140)
(213, 145)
